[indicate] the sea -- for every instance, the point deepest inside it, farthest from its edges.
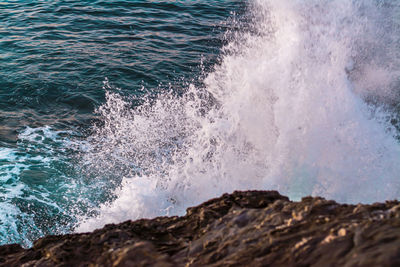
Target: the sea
(125, 109)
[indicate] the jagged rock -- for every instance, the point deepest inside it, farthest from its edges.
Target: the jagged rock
(257, 228)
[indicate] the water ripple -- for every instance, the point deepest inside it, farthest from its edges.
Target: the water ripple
(52, 52)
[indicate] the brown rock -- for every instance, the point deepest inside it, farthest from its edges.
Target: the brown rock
(257, 228)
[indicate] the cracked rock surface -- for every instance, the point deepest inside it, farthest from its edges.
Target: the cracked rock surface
(257, 228)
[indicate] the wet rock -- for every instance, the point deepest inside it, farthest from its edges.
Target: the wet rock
(258, 228)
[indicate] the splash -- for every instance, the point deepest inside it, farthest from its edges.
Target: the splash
(300, 103)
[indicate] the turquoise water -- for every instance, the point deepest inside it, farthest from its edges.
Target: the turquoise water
(117, 110)
(54, 57)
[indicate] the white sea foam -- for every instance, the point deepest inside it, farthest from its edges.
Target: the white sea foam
(27, 200)
(299, 103)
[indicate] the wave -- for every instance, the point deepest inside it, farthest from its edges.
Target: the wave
(303, 101)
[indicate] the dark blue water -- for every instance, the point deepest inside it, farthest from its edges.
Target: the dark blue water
(54, 58)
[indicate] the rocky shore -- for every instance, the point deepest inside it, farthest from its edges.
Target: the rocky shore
(251, 228)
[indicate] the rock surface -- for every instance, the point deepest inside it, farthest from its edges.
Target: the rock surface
(257, 228)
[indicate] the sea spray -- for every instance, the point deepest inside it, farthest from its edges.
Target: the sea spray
(300, 102)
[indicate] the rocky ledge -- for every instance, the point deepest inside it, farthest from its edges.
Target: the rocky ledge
(258, 228)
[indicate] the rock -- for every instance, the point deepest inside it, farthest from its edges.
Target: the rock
(257, 228)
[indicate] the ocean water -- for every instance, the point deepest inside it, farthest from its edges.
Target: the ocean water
(117, 110)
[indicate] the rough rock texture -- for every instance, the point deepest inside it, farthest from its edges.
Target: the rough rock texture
(257, 228)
